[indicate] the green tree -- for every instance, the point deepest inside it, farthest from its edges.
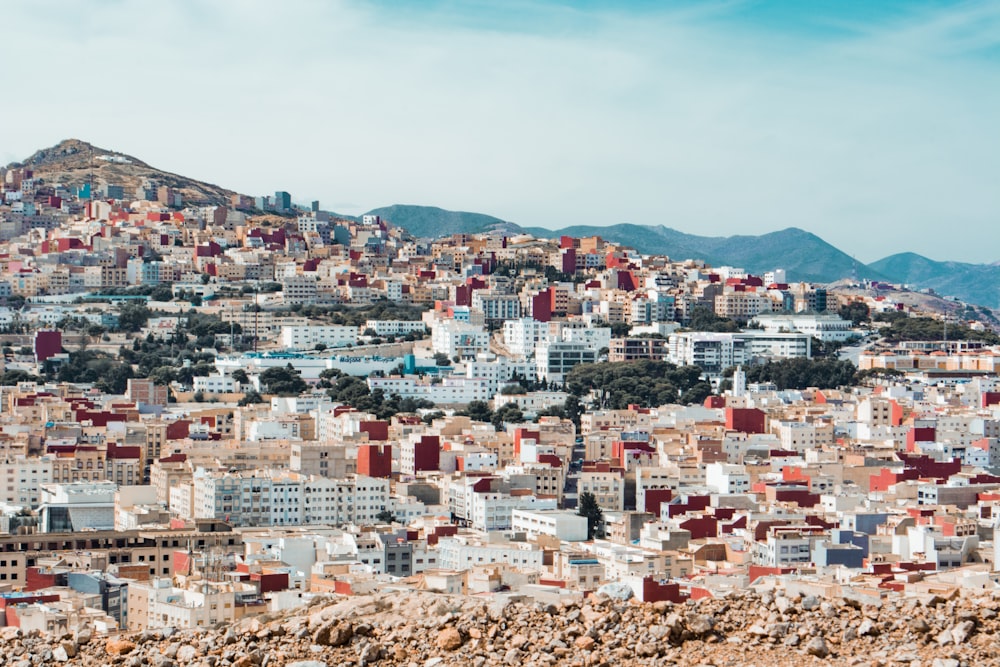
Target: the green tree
(283, 381)
(855, 311)
(704, 319)
(509, 412)
(133, 316)
(250, 398)
(589, 508)
(162, 293)
(241, 376)
(478, 411)
(385, 516)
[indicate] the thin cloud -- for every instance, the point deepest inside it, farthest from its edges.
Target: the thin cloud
(874, 135)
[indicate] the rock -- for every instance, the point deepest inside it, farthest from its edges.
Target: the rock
(119, 646)
(69, 647)
(307, 663)
(810, 603)
(782, 604)
(945, 662)
(700, 624)
(866, 628)
(616, 591)
(919, 625)
(187, 653)
(584, 643)
(817, 647)
(333, 633)
(961, 631)
(59, 654)
(449, 639)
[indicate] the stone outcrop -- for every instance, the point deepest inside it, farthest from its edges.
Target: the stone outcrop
(427, 630)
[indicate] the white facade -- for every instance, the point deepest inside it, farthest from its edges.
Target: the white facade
(563, 524)
(493, 510)
(557, 358)
(308, 337)
(246, 499)
(824, 327)
(499, 371)
(521, 336)
(727, 478)
(712, 352)
(457, 554)
(216, 384)
(358, 500)
(21, 480)
(394, 327)
(451, 390)
(532, 401)
(457, 339)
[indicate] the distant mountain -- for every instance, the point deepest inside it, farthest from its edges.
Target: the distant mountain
(803, 255)
(972, 283)
(433, 222)
(72, 161)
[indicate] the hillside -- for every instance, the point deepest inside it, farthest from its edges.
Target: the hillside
(433, 222)
(70, 163)
(803, 255)
(418, 628)
(973, 283)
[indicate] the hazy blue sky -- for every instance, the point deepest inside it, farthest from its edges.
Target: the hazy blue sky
(874, 124)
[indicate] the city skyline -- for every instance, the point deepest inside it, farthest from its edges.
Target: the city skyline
(873, 127)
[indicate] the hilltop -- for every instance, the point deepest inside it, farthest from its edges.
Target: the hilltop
(434, 222)
(71, 161)
(974, 283)
(803, 255)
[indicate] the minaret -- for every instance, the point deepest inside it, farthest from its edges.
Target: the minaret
(739, 382)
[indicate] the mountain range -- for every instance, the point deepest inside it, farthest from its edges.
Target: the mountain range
(802, 254)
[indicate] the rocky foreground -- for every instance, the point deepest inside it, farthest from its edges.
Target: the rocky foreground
(424, 630)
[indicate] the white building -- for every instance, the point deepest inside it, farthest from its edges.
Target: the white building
(496, 307)
(216, 384)
(157, 604)
(555, 359)
(566, 525)
(68, 508)
(450, 390)
(385, 328)
(458, 339)
(308, 337)
(727, 478)
(357, 499)
(253, 498)
(712, 352)
(826, 328)
(21, 479)
(531, 402)
(521, 336)
(493, 510)
(500, 371)
(460, 554)
(299, 289)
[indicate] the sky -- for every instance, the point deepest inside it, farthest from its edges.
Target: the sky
(875, 125)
